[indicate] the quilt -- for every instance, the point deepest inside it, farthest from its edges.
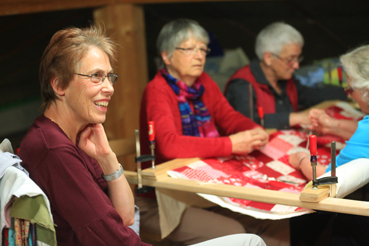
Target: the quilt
(267, 168)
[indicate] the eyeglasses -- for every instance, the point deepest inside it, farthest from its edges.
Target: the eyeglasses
(98, 78)
(349, 90)
(193, 51)
(290, 61)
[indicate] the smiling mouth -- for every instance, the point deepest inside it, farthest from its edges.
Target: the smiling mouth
(102, 104)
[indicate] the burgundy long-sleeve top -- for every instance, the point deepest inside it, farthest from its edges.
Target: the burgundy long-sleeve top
(81, 208)
(160, 104)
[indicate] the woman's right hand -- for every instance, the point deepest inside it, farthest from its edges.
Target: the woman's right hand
(322, 123)
(246, 141)
(94, 143)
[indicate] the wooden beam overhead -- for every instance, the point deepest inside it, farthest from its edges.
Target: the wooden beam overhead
(16, 7)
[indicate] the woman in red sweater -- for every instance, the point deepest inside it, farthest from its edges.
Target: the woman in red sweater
(192, 119)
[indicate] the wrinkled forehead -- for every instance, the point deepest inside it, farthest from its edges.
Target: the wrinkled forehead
(94, 58)
(189, 35)
(291, 49)
(192, 42)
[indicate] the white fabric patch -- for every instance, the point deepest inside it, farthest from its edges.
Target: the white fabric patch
(280, 167)
(283, 209)
(292, 139)
(349, 111)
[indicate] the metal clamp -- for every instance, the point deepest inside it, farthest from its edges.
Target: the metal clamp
(138, 159)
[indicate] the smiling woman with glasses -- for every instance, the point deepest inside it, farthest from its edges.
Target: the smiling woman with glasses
(66, 151)
(267, 83)
(98, 78)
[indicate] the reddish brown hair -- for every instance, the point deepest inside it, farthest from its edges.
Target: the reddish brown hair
(61, 57)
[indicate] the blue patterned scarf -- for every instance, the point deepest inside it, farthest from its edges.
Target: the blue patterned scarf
(198, 124)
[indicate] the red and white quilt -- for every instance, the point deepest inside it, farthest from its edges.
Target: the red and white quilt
(268, 168)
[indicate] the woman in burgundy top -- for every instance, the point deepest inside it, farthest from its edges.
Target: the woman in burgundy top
(66, 150)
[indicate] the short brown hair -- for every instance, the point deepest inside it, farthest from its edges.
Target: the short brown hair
(63, 53)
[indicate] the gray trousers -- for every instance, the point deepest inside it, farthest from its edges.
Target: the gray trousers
(199, 225)
(244, 239)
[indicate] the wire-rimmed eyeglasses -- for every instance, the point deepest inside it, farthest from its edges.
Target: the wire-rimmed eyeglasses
(98, 78)
(193, 51)
(349, 90)
(290, 61)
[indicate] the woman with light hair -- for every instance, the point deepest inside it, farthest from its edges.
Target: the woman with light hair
(356, 65)
(194, 111)
(270, 77)
(322, 123)
(193, 119)
(348, 229)
(66, 151)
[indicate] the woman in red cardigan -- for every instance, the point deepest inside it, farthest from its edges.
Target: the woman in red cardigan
(270, 77)
(192, 119)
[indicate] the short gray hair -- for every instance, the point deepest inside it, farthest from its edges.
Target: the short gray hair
(356, 64)
(178, 31)
(273, 37)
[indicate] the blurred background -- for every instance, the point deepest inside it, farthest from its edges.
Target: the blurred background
(330, 28)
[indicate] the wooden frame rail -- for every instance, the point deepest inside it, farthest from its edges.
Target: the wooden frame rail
(158, 178)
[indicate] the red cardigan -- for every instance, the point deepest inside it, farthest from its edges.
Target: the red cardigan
(159, 104)
(264, 97)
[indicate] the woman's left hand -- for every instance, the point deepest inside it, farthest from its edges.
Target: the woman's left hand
(93, 141)
(296, 158)
(264, 137)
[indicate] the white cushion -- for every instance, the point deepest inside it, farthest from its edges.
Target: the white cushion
(351, 176)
